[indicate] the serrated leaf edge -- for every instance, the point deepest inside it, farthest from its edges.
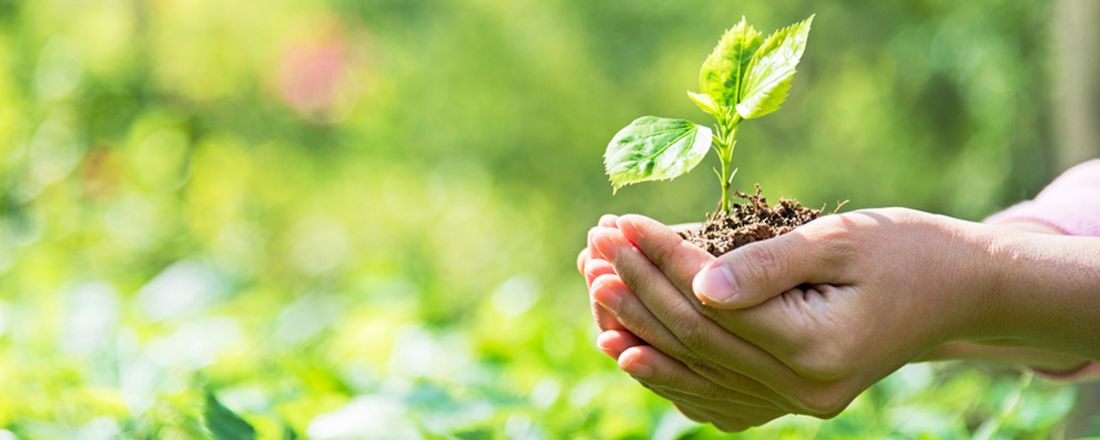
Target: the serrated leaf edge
(808, 22)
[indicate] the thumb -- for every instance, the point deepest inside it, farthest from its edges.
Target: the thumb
(756, 272)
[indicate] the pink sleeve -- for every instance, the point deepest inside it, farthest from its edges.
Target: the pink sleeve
(1070, 204)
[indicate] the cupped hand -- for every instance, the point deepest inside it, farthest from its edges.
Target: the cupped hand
(802, 322)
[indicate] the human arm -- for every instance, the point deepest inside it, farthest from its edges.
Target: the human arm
(1070, 205)
(904, 310)
(1050, 363)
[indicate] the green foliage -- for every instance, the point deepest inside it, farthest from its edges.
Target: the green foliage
(223, 423)
(396, 263)
(653, 148)
(743, 78)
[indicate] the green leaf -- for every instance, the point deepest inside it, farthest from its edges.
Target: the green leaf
(223, 423)
(705, 102)
(771, 70)
(653, 148)
(722, 72)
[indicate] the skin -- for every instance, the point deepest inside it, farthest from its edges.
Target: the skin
(825, 311)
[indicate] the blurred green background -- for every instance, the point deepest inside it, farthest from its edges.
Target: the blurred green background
(359, 219)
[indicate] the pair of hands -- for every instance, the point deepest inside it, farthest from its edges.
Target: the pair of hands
(799, 324)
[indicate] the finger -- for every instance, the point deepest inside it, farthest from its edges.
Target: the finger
(655, 298)
(677, 258)
(610, 292)
(604, 319)
(592, 251)
(756, 272)
(655, 369)
(615, 342)
(582, 259)
(606, 220)
(725, 367)
(662, 299)
(596, 267)
(680, 261)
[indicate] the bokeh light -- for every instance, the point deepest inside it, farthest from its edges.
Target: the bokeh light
(358, 219)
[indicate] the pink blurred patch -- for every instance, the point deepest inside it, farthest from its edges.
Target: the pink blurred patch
(311, 74)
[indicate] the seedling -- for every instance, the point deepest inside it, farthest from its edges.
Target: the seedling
(745, 77)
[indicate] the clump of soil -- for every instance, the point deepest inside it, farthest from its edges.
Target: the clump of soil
(751, 221)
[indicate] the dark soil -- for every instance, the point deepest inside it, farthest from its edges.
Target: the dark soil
(751, 221)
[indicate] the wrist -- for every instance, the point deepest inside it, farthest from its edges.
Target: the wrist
(972, 282)
(1043, 292)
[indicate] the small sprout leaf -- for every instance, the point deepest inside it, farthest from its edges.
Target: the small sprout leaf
(721, 76)
(771, 70)
(653, 148)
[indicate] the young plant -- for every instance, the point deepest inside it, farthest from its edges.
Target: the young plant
(745, 77)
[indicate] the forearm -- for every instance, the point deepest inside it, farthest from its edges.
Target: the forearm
(1045, 293)
(995, 351)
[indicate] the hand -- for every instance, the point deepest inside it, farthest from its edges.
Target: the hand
(809, 350)
(616, 339)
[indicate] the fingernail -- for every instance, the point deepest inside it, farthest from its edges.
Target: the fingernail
(715, 284)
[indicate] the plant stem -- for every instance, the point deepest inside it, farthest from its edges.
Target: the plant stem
(724, 142)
